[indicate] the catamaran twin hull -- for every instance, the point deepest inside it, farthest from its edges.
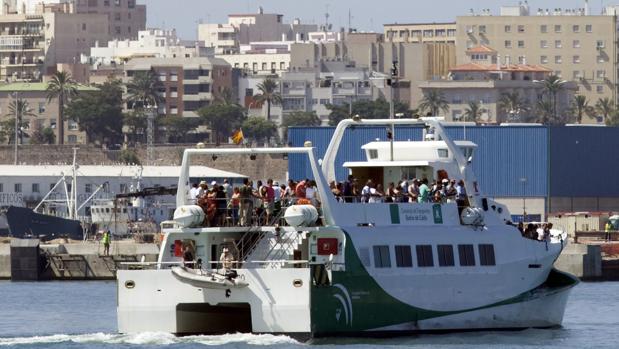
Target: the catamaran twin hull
(353, 298)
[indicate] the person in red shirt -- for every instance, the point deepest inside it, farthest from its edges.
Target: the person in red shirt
(268, 200)
(299, 191)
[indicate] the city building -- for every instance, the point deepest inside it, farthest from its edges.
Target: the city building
(188, 83)
(485, 78)
(44, 113)
(421, 32)
(125, 17)
(242, 29)
(574, 44)
(151, 43)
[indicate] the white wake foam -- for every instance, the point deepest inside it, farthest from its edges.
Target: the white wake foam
(151, 338)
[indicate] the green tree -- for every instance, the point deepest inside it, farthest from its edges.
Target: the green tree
(580, 107)
(256, 128)
(135, 124)
(43, 136)
(99, 113)
(176, 127)
(512, 104)
(605, 107)
(61, 87)
(434, 101)
(551, 86)
(300, 118)
(268, 93)
(473, 111)
(7, 129)
(21, 108)
(544, 111)
(222, 119)
(226, 97)
(613, 120)
(143, 90)
(129, 156)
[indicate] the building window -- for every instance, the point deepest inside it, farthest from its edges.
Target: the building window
(73, 125)
(558, 60)
(557, 28)
(576, 59)
(482, 29)
(521, 59)
(599, 89)
(558, 73)
(576, 28)
(35, 188)
(403, 257)
(424, 255)
(558, 44)
(543, 44)
(543, 28)
(83, 26)
(382, 259)
(87, 188)
(508, 44)
(600, 74)
(601, 59)
(600, 44)
(42, 107)
(508, 28)
(576, 75)
(576, 44)
(72, 139)
(486, 254)
(521, 29)
(589, 28)
(445, 255)
(543, 59)
(467, 255)
(520, 43)
(18, 187)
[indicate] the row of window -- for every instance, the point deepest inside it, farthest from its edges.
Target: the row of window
(425, 256)
(558, 28)
(36, 187)
(264, 66)
(600, 44)
(428, 33)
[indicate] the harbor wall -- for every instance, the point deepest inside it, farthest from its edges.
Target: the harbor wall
(582, 261)
(264, 167)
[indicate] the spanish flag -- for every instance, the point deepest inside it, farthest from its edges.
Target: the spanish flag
(237, 137)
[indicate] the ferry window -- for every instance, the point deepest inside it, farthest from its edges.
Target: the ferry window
(381, 257)
(373, 153)
(443, 153)
(124, 210)
(424, 255)
(403, 256)
(364, 255)
(35, 187)
(445, 255)
(486, 254)
(18, 187)
(467, 255)
(1, 187)
(107, 210)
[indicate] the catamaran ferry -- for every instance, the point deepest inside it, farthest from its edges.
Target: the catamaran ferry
(351, 268)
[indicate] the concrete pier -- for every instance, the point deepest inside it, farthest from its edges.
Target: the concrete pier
(582, 261)
(82, 260)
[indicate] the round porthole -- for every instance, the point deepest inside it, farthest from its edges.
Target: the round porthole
(297, 283)
(129, 284)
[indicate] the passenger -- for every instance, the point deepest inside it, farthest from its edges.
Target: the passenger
(607, 228)
(247, 198)
(227, 189)
(300, 189)
(366, 192)
(106, 242)
(461, 197)
(438, 195)
(193, 193)
(347, 192)
(531, 232)
(235, 202)
(188, 257)
(268, 200)
(413, 190)
(404, 186)
(221, 204)
(277, 200)
(311, 193)
(335, 190)
(376, 194)
(202, 190)
(450, 191)
(356, 190)
(392, 193)
(226, 259)
(424, 191)
(521, 228)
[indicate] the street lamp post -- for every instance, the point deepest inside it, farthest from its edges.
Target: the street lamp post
(523, 180)
(16, 101)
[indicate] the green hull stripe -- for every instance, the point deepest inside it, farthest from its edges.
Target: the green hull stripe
(356, 302)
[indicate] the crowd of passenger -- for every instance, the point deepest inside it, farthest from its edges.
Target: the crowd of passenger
(411, 191)
(535, 231)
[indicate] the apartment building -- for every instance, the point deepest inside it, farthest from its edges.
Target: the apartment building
(188, 83)
(242, 29)
(572, 43)
(44, 113)
(484, 78)
(421, 32)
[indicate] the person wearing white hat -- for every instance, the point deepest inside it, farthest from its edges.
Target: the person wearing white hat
(203, 187)
(226, 259)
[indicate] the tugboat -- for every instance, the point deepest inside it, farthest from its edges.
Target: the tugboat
(351, 268)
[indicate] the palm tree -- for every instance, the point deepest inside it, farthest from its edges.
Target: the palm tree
(551, 86)
(20, 108)
(225, 97)
(605, 106)
(434, 101)
(268, 93)
(473, 112)
(511, 103)
(143, 90)
(61, 87)
(544, 110)
(580, 107)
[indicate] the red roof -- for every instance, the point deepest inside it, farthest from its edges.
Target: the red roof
(509, 68)
(481, 49)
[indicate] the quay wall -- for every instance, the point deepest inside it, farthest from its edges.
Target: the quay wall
(264, 167)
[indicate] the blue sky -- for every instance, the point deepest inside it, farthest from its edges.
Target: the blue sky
(366, 15)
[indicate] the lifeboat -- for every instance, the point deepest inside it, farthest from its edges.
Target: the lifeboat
(202, 279)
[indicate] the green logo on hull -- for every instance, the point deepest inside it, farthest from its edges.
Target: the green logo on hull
(394, 209)
(437, 213)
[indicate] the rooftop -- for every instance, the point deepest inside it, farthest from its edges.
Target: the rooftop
(147, 63)
(113, 171)
(36, 87)
(481, 49)
(533, 68)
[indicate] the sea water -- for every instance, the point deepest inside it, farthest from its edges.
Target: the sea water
(83, 315)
